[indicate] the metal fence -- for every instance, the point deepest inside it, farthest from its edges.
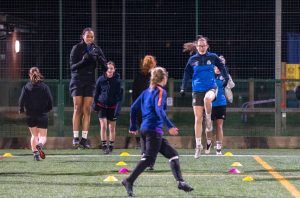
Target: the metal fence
(259, 39)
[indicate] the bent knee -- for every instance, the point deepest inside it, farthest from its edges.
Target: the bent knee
(174, 158)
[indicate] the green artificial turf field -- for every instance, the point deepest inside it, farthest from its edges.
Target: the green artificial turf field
(80, 173)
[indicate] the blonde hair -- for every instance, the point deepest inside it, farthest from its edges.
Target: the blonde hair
(158, 74)
(147, 64)
(35, 75)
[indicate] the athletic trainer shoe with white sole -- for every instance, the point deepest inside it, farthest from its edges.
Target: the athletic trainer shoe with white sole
(198, 152)
(208, 147)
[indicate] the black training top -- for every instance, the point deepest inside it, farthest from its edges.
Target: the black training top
(36, 98)
(140, 83)
(83, 62)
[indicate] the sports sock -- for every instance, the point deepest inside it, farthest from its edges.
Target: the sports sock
(208, 141)
(208, 116)
(111, 143)
(219, 145)
(75, 134)
(141, 166)
(198, 142)
(43, 140)
(175, 167)
(84, 134)
(104, 143)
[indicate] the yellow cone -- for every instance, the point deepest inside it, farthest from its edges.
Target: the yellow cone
(124, 154)
(121, 163)
(110, 179)
(248, 179)
(228, 154)
(236, 164)
(7, 155)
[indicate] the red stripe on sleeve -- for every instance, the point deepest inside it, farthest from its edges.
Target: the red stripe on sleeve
(160, 96)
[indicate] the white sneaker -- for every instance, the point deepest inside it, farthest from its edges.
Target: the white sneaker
(208, 146)
(218, 152)
(208, 124)
(198, 152)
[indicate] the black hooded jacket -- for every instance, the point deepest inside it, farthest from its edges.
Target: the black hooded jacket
(140, 83)
(36, 98)
(109, 93)
(83, 61)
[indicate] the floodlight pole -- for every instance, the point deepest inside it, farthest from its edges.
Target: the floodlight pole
(124, 46)
(279, 113)
(60, 90)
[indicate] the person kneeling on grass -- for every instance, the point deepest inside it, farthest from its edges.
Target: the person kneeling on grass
(107, 102)
(152, 103)
(37, 100)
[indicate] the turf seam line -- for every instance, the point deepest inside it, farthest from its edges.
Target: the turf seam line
(290, 187)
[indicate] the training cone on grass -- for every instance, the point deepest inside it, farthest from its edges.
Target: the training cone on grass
(248, 179)
(124, 154)
(7, 155)
(228, 154)
(123, 170)
(110, 179)
(121, 163)
(234, 171)
(236, 164)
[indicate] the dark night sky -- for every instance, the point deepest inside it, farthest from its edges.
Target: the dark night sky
(243, 31)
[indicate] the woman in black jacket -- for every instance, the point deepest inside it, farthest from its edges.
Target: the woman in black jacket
(140, 83)
(37, 100)
(84, 59)
(107, 102)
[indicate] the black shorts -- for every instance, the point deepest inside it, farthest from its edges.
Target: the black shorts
(108, 113)
(81, 90)
(198, 97)
(37, 121)
(218, 112)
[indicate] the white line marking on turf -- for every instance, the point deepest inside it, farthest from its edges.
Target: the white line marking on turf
(76, 156)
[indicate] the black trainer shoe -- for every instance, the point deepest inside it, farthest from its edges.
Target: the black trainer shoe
(110, 148)
(208, 147)
(128, 187)
(76, 142)
(84, 143)
(184, 186)
(39, 147)
(151, 167)
(36, 156)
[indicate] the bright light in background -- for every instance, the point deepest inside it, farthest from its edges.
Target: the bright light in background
(17, 46)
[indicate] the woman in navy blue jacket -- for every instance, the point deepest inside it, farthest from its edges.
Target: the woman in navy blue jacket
(36, 98)
(152, 103)
(84, 59)
(200, 67)
(107, 101)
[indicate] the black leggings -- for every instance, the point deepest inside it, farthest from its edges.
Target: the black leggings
(154, 144)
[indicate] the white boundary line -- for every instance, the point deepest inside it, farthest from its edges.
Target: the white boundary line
(123, 157)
